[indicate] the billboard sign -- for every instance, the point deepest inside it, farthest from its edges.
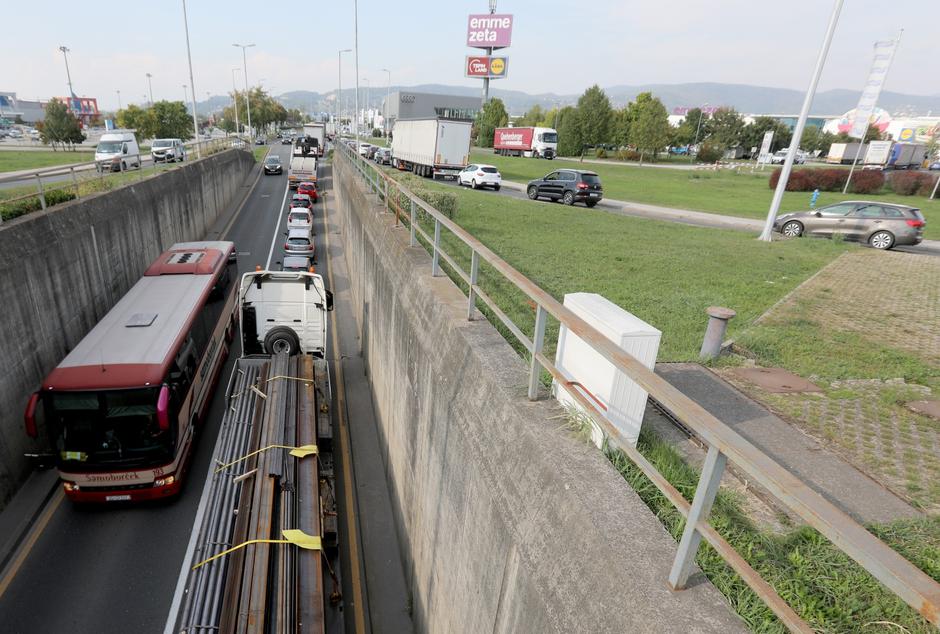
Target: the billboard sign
(486, 66)
(764, 156)
(884, 54)
(513, 138)
(489, 30)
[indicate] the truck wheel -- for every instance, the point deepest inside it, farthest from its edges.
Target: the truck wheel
(281, 339)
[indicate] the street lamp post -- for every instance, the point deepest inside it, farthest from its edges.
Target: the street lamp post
(65, 53)
(235, 97)
(388, 87)
(356, 47)
(339, 105)
(767, 234)
(489, 52)
(192, 82)
(701, 115)
(368, 98)
(119, 99)
(150, 86)
(245, 72)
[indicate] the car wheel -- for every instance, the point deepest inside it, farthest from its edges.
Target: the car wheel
(792, 229)
(883, 240)
(281, 339)
(533, 192)
(496, 187)
(568, 198)
(474, 184)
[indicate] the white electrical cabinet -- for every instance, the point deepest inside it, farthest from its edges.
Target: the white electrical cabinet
(595, 377)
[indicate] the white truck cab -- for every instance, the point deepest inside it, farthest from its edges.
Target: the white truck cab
(283, 311)
(117, 151)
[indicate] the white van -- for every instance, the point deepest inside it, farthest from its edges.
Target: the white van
(117, 151)
(167, 150)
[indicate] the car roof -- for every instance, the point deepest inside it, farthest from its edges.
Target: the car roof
(298, 233)
(299, 209)
(872, 202)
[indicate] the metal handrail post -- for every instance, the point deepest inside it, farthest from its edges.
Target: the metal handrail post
(386, 196)
(42, 194)
(538, 341)
(705, 493)
(414, 237)
(435, 261)
(474, 275)
(74, 180)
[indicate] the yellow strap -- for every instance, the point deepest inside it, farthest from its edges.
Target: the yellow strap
(254, 386)
(291, 536)
(298, 452)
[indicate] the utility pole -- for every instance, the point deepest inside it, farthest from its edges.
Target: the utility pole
(767, 234)
(356, 46)
(368, 99)
(65, 53)
(238, 130)
(192, 83)
(489, 53)
(698, 128)
(245, 71)
(388, 88)
(150, 86)
(119, 99)
(339, 106)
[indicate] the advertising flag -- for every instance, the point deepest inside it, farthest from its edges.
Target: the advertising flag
(884, 54)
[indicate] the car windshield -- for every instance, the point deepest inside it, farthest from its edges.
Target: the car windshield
(272, 160)
(162, 143)
(117, 427)
(109, 147)
(591, 179)
(299, 216)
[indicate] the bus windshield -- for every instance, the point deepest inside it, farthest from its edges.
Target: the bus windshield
(112, 429)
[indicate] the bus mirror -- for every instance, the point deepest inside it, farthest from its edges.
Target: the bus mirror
(30, 416)
(329, 300)
(163, 409)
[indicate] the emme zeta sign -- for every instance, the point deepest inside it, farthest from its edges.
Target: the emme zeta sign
(489, 31)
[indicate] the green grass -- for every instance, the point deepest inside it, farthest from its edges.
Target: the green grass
(16, 160)
(823, 585)
(260, 152)
(743, 194)
(665, 273)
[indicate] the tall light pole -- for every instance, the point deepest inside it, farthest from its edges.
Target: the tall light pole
(368, 98)
(698, 128)
(356, 46)
(119, 99)
(245, 72)
(238, 130)
(388, 88)
(339, 105)
(489, 52)
(150, 86)
(192, 83)
(185, 93)
(767, 234)
(65, 53)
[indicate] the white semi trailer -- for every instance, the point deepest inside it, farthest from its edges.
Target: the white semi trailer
(431, 147)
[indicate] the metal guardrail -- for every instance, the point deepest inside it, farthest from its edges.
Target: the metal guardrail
(85, 172)
(903, 578)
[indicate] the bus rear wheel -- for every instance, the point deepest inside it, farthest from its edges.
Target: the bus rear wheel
(281, 339)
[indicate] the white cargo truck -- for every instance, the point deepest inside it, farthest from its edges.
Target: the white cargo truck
(302, 168)
(431, 147)
(283, 311)
(312, 142)
(878, 154)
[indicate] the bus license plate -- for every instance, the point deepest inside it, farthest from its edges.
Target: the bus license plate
(117, 498)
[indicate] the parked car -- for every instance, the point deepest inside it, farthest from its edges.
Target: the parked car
(364, 148)
(301, 200)
(880, 225)
(299, 218)
(166, 150)
(272, 165)
(299, 242)
(296, 263)
(477, 176)
(568, 186)
(260, 141)
(780, 157)
(308, 188)
(383, 156)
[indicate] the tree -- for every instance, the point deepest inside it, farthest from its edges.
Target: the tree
(532, 117)
(753, 133)
(686, 132)
(169, 119)
(649, 129)
(134, 118)
(265, 110)
(725, 128)
(60, 126)
(549, 119)
(493, 115)
(621, 122)
(570, 141)
(815, 140)
(594, 116)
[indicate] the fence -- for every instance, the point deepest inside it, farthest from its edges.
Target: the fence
(899, 575)
(37, 190)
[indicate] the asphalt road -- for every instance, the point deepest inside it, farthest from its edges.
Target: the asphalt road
(114, 569)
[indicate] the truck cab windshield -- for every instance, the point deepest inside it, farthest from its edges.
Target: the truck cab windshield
(110, 147)
(548, 137)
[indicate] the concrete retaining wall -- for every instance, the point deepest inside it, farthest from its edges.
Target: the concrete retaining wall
(62, 270)
(508, 522)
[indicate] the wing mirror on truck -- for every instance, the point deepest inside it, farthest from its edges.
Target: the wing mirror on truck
(329, 300)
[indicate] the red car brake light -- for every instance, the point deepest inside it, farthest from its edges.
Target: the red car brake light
(583, 185)
(916, 223)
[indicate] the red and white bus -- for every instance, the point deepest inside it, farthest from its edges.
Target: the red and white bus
(122, 408)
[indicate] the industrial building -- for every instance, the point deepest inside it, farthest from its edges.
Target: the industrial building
(407, 104)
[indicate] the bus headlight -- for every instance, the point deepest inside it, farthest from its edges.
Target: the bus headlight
(165, 481)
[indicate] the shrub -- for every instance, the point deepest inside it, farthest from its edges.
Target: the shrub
(806, 180)
(376, 132)
(628, 155)
(710, 153)
(11, 210)
(801, 181)
(867, 182)
(831, 180)
(600, 153)
(445, 202)
(910, 183)
(927, 183)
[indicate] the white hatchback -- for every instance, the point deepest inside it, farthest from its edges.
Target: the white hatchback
(299, 218)
(477, 176)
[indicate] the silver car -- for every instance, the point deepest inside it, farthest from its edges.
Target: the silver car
(880, 225)
(299, 242)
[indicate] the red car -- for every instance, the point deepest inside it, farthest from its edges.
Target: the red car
(308, 188)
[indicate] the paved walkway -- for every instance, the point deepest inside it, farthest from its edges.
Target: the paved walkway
(828, 474)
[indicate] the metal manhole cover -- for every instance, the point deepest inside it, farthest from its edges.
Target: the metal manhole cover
(775, 380)
(927, 408)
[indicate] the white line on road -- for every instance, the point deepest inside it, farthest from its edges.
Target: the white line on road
(277, 223)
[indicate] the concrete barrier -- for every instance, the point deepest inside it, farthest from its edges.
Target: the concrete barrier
(61, 270)
(508, 522)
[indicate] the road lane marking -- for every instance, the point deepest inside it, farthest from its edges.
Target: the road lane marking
(344, 442)
(34, 534)
(277, 225)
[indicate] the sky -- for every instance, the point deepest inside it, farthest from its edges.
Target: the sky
(558, 46)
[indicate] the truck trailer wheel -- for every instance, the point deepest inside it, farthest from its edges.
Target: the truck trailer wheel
(281, 339)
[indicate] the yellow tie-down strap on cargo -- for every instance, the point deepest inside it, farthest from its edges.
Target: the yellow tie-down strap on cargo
(254, 387)
(298, 452)
(293, 536)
